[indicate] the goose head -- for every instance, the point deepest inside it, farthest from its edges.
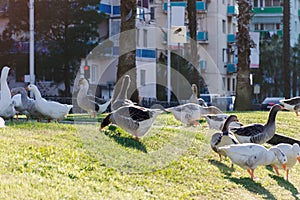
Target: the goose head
(106, 121)
(280, 156)
(83, 83)
(296, 149)
(230, 118)
(273, 112)
(194, 89)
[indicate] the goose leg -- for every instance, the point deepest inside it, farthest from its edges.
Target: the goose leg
(276, 169)
(251, 172)
(287, 175)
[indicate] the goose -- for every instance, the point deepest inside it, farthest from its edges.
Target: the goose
(28, 104)
(121, 99)
(51, 109)
(7, 109)
(84, 101)
(16, 98)
(134, 119)
(2, 123)
(216, 121)
(194, 97)
(292, 104)
(292, 153)
(249, 156)
(225, 137)
(188, 113)
(258, 133)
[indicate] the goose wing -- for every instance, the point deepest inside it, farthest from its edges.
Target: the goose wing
(250, 130)
(292, 101)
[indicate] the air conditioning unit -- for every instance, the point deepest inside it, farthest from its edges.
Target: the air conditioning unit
(202, 65)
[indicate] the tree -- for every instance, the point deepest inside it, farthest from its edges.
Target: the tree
(127, 49)
(243, 88)
(286, 48)
(192, 15)
(66, 29)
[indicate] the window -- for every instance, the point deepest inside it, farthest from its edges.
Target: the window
(137, 37)
(145, 38)
(143, 77)
(228, 84)
(233, 84)
(115, 27)
(224, 26)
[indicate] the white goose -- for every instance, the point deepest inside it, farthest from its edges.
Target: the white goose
(121, 99)
(258, 133)
(84, 101)
(249, 156)
(292, 104)
(51, 109)
(136, 120)
(190, 112)
(292, 153)
(7, 109)
(225, 137)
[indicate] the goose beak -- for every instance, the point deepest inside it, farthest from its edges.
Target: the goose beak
(26, 88)
(284, 166)
(298, 158)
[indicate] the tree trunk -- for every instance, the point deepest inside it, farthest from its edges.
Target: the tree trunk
(286, 49)
(192, 15)
(127, 49)
(243, 88)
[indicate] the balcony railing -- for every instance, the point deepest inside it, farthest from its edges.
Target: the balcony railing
(231, 68)
(231, 11)
(230, 38)
(200, 5)
(268, 10)
(202, 36)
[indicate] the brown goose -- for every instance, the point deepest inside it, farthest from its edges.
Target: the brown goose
(292, 104)
(258, 133)
(136, 120)
(225, 137)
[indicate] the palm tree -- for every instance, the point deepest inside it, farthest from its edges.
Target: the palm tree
(127, 49)
(286, 48)
(243, 88)
(191, 8)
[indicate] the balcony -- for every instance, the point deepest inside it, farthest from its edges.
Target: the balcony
(200, 5)
(230, 38)
(268, 10)
(231, 11)
(231, 68)
(109, 9)
(202, 36)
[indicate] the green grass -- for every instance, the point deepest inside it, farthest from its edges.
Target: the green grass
(69, 161)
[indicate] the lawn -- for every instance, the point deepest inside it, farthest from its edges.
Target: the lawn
(77, 161)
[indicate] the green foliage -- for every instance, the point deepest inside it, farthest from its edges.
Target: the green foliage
(68, 161)
(65, 31)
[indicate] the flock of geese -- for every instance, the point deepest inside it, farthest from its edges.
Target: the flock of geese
(243, 144)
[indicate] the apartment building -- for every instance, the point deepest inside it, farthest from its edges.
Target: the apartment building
(268, 19)
(216, 27)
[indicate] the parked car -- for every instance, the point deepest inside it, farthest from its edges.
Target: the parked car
(209, 98)
(225, 103)
(268, 102)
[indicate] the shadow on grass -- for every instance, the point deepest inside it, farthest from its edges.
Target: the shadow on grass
(252, 186)
(285, 184)
(222, 167)
(126, 141)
